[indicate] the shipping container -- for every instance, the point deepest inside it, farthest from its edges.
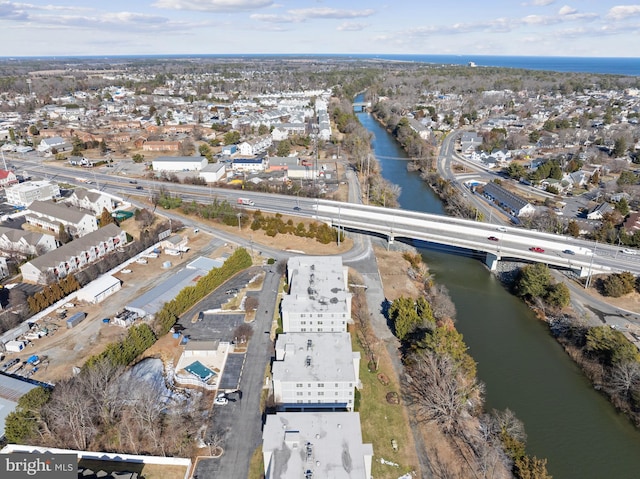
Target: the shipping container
(76, 319)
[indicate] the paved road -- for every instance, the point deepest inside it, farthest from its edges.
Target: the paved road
(240, 420)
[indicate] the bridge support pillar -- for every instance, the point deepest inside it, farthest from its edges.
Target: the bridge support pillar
(390, 239)
(491, 260)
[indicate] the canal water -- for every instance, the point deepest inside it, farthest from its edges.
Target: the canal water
(523, 367)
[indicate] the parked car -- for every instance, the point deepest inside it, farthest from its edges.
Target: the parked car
(536, 249)
(220, 400)
(493, 238)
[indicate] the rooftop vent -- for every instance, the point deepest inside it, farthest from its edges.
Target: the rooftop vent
(309, 344)
(308, 361)
(333, 300)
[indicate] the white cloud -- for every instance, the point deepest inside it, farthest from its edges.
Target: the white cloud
(567, 10)
(273, 18)
(352, 27)
(542, 3)
(621, 12)
(330, 13)
(213, 5)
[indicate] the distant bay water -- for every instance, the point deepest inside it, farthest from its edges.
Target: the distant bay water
(600, 65)
(614, 66)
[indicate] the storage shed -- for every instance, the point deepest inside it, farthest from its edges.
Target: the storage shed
(99, 289)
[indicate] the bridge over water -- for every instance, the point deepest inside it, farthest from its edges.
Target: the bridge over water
(496, 242)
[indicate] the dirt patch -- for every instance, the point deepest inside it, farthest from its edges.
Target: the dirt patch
(394, 274)
(69, 348)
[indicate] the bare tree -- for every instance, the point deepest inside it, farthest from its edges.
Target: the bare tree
(438, 389)
(624, 376)
(441, 304)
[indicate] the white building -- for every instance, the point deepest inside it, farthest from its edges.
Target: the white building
(99, 289)
(315, 370)
(250, 164)
(213, 172)
(49, 216)
(91, 200)
(315, 446)
(255, 146)
(27, 243)
(179, 163)
(47, 144)
(26, 193)
(318, 299)
(73, 256)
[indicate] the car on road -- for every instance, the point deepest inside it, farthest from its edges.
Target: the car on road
(296, 208)
(569, 251)
(629, 251)
(133, 182)
(502, 228)
(536, 249)
(493, 238)
(139, 187)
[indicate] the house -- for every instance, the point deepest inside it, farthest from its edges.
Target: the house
(49, 216)
(179, 163)
(315, 445)
(161, 145)
(55, 142)
(510, 202)
(255, 146)
(23, 194)
(7, 178)
(91, 200)
(26, 243)
(598, 211)
(282, 131)
(73, 256)
(176, 243)
(419, 128)
(470, 141)
(319, 299)
(315, 370)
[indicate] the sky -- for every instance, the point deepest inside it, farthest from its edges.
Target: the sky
(586, 28)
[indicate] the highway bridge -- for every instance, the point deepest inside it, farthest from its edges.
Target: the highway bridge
(506, 243)
(496, 242)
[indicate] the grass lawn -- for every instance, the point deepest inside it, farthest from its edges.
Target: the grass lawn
(383, 422)
(256, 467)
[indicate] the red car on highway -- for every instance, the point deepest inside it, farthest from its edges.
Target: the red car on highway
(536, 249)
(493, 238)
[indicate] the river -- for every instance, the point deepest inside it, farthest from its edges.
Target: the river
(523, 367)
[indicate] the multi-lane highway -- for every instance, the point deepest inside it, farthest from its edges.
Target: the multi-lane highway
(498, 242)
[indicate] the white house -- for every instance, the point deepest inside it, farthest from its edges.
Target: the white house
(179, 163)
(314, 445)
(49, 216)
(26, 243)
(24, 194)
(315, 370)
(7, 178)
(91, 200)
(319, 299)
(73, 256)
(47, 144)
(255, 146)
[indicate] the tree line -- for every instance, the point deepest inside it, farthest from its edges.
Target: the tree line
(441, 386)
